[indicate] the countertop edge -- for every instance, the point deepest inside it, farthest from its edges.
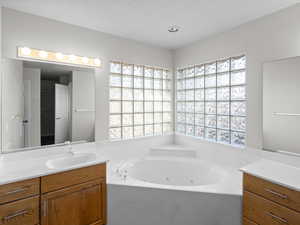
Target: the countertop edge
(52, 171)
(263, 175)
(272, 180)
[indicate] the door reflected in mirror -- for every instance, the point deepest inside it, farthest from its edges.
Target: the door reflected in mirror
(46, 104)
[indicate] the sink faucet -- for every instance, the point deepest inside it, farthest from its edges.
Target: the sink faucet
(69, 146)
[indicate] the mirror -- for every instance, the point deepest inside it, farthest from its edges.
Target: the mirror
(46, 104)
(281, 106)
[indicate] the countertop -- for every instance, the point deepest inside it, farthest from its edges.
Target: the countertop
(278, 173)
(32, 164)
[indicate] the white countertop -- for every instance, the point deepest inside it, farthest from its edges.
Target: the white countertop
(31, 164)
(278, 173)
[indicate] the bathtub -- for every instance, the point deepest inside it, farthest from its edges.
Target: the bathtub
(172, 172)
(173, 189)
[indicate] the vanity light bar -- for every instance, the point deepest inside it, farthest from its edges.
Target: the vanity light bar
(42, 55)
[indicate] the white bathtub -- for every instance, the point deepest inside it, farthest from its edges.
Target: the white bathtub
(172, 190)
(174, 172)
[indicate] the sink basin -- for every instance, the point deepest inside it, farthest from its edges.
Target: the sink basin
(69, 161)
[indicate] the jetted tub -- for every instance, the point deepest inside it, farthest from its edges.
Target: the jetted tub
(174, 172)
(172, 190)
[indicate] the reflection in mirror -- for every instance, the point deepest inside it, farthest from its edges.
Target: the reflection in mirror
(46, 104)
(281, 107)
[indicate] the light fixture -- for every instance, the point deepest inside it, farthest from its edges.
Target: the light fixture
(43, 54)
(58, 57)
(85, 60)
(97, 62)
(173, 29)
(26, 51)
(72, 57)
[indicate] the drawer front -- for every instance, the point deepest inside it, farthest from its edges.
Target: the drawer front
(265, 212)
(61, 180)
(273, 192)
(21, 212)
(248, 222)
(19, 190)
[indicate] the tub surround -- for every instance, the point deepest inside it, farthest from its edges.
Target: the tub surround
(278, 173)
(229, 181)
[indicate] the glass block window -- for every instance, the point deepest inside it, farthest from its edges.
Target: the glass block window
(211, 101)
(140, 101)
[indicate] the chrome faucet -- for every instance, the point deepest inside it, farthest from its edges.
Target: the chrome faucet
(69, 146)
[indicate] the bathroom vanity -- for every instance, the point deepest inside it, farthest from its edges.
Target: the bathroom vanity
(72, 197)
(271, 194)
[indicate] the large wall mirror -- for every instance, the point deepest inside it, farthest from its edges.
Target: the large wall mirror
(281, 105)
(46, 104)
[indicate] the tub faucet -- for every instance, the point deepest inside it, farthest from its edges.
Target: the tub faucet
(69, 146)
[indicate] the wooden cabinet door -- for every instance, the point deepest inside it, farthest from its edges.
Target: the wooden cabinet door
(82, 204)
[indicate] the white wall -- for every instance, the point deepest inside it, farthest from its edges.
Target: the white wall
(272, 37)
(34, 76)
(20, 29)
(83, 106)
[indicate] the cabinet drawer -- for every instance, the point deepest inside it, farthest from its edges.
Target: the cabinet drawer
(273, 192)
(265, 212)
(19, 190)
(21, 212)
(248, 222)
(69, 178)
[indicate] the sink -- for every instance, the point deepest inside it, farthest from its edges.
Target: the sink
(71, 160)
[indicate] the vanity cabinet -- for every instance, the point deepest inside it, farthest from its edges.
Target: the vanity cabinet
(75, 197)
(19, 203)
(266, 203)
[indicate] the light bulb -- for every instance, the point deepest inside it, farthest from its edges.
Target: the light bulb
(59, 56)
(25, 51)
(97, 62)
(85, 60)
(72, 57)
(43, 54)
